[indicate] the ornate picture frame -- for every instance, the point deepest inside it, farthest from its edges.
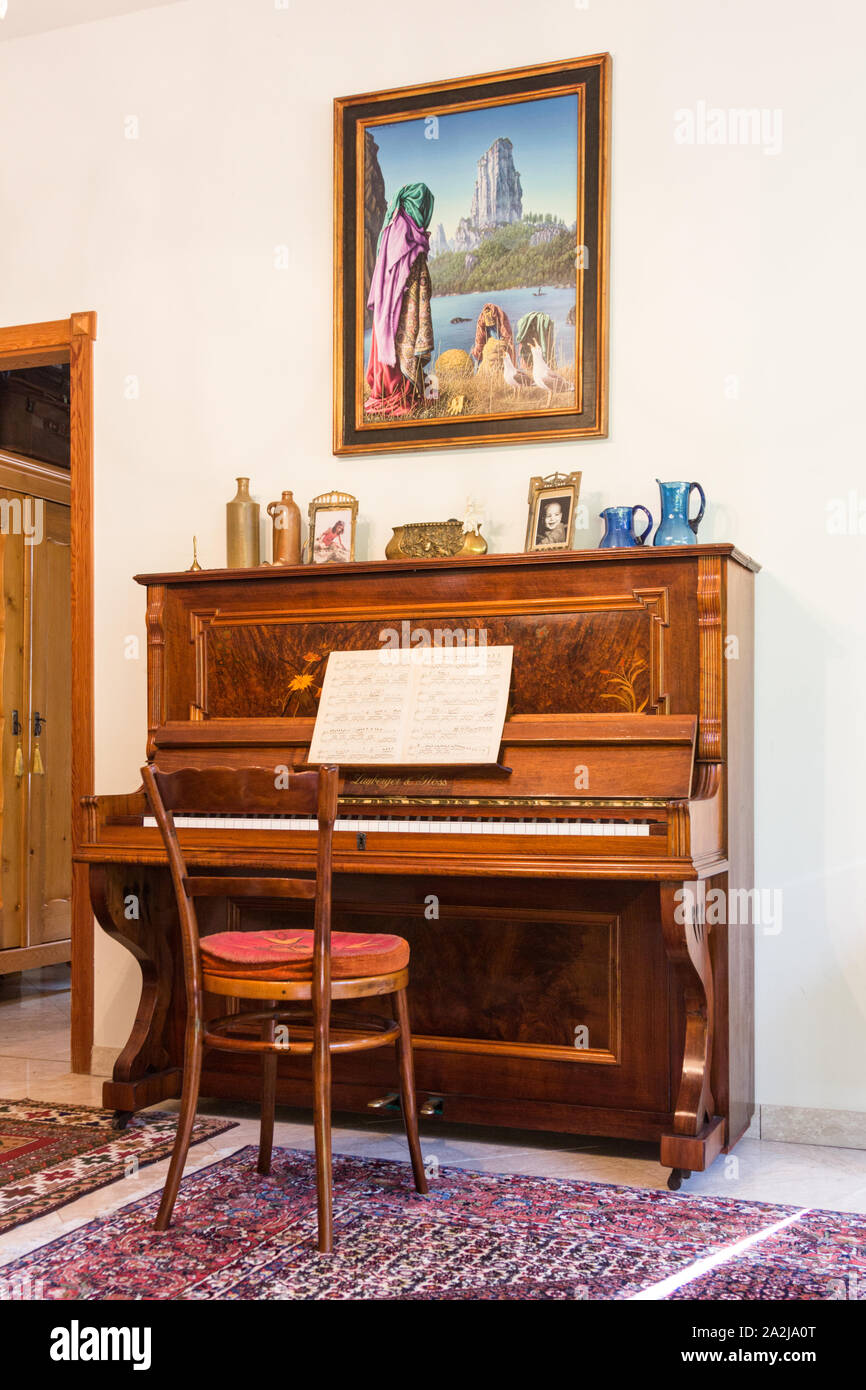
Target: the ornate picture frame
(552, 510)
(497, 329)
(332, 520)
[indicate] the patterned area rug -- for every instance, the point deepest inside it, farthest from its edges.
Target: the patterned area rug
(52, 1154)
(477, 1236)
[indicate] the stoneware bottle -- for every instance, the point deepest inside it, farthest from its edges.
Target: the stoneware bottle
(242, 529)
(286, 516)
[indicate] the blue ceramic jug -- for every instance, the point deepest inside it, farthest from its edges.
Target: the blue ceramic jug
(676, 526)
(619, 527)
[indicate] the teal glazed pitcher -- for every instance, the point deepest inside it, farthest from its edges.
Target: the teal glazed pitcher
(676, 526)
(619, 528)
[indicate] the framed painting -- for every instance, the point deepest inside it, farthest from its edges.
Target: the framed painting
(471, 251)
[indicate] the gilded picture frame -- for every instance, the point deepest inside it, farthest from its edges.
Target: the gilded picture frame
(332, 521)
(552, 511)
(469, 349)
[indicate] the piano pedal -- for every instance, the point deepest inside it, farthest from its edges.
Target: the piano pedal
(390, 1101)
(433, 1105)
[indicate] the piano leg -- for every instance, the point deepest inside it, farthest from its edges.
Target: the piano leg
(138, 914)
(698, 1134)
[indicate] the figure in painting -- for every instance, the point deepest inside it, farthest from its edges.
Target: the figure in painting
(399, 300)
(535, 330)
(493, 322)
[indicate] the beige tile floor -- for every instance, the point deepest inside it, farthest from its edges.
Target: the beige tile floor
(34, 1062)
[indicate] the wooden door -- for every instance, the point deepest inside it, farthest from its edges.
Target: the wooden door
(13, 719)
(35, 731)
(49, 828)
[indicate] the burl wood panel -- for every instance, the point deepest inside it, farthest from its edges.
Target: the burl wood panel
(539, 967)
(544, 972)
(587, 662)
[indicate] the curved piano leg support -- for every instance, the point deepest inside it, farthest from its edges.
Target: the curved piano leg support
(688, 950)
(142, 1075)
(698, 1134)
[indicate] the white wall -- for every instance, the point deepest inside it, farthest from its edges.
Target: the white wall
(725, 261)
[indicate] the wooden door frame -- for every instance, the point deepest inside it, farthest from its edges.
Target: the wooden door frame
(41, 344)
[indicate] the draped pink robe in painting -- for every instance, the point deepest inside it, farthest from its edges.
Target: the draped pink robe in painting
(393, 392)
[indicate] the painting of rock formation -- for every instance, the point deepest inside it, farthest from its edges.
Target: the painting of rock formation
(470, 262)
(472, 244)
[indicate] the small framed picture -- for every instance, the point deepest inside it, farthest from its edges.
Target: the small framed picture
(552, 508)
(332, 516)
(332, 528)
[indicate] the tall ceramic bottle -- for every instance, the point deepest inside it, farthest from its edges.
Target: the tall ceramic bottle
(286, 515)
(242, 529)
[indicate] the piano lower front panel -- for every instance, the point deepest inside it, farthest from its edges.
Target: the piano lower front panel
(542, 1005)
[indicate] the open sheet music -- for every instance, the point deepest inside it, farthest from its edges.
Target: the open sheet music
(430, 706)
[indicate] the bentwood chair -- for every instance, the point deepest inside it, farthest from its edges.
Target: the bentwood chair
(286, 964)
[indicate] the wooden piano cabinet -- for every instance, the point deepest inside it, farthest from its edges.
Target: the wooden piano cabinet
(572, 982)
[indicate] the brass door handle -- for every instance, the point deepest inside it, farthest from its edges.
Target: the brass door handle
(37, 766)
(18, 758)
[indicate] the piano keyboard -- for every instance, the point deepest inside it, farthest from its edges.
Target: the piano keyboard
(418, 825)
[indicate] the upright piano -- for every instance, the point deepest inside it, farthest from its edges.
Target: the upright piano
(565, 973)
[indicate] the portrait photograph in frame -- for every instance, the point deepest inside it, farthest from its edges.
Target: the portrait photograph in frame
(332, 519)
(471, 249)
(552, 511)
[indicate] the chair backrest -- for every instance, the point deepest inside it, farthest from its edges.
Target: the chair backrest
(235, 790)
(217, 791)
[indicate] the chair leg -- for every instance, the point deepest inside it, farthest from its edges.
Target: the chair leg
(186, 1120)
(269, 1097)
(407, 1089)
(322, 1132)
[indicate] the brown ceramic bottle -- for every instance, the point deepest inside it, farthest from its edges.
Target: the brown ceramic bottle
(242, 529)
(286, 516)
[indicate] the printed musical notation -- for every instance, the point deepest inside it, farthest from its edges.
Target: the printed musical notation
(429, 708)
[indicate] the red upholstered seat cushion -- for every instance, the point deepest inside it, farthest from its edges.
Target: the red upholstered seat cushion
(286, 954)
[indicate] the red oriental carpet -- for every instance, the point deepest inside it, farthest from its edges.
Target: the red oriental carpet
(479, 1236)
(52, 1154)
